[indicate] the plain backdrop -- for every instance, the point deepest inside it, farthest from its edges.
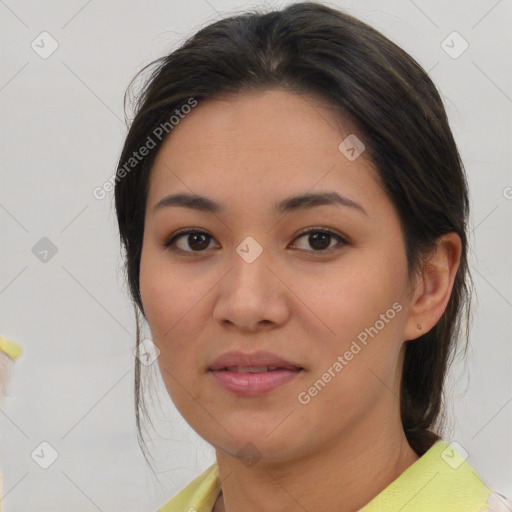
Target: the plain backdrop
(62, 129)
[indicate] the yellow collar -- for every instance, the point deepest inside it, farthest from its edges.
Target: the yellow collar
(440, 481)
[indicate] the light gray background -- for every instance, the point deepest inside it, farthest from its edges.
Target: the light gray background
(61, 133)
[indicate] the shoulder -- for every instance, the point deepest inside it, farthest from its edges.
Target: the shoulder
(463, 479)
(440, 480)
(199, 495)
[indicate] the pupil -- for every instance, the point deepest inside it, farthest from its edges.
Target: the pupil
(194, 237)
(314, 238)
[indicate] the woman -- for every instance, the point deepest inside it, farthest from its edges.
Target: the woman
(294, 212)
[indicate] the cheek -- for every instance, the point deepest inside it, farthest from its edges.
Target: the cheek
(164, 292)
(362, 315)
(165, 309)
(353, 295)
(152, 289)
(174, 312)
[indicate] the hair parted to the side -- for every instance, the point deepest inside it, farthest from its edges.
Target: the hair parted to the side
(311, 48)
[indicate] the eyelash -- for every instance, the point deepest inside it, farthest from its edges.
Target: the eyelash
(188, 231)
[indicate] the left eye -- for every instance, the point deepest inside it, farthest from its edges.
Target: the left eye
(319, 239)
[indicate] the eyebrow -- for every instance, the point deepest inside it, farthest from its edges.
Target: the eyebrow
(293, 203)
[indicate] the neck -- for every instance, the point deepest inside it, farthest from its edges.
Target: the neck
(343, 477)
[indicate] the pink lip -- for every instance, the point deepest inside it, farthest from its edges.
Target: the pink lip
(260, 358)
(252, 384)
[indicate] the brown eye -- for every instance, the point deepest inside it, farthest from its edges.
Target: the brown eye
(320, 239)
(195, 240)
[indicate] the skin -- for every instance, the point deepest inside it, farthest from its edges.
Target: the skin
(347, 444)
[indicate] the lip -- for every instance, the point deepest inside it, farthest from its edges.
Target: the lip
(254, 384)
(260, 358)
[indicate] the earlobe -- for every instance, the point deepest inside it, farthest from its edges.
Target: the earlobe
(431, 296)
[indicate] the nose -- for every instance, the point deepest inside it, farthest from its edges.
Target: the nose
(253, 294)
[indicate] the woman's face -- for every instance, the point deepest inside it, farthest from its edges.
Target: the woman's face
(338, 309)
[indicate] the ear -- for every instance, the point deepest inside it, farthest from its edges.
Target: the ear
(434, 287)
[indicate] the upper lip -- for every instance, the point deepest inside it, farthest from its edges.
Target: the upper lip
(255, 359)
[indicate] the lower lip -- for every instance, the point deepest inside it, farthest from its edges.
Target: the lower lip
(252, 384)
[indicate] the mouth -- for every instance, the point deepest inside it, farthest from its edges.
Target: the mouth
(256, 369)
(256, 362)
(253, 374)
(251, 381)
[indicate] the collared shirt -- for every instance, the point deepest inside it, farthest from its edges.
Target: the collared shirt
(439, 481)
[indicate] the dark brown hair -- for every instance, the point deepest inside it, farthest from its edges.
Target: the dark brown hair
(312, 48)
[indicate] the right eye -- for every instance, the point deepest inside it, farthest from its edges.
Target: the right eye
(195, 239)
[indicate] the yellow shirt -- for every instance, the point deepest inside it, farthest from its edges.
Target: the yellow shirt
(440, 481)
(8, 349)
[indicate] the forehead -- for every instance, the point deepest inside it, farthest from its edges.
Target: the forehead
(269, 119)
(267, 144)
